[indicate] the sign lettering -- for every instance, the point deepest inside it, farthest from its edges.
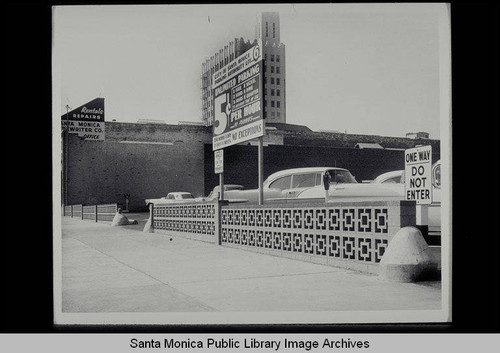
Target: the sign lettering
(237, 100)
(418, 175)
(86, 121)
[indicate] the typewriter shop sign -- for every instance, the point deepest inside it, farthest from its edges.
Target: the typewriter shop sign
(86, 121)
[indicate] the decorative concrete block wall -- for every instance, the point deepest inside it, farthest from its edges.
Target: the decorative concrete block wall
(351, 235)
(198, 221)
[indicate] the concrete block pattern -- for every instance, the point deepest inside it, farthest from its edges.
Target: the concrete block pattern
(351, 235)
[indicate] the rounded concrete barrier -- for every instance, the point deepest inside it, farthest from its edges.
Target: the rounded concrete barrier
(120, 220)
(407, 258)
(148, 227)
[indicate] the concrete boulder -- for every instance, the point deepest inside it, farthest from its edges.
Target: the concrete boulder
(407, 258)
(121, 220)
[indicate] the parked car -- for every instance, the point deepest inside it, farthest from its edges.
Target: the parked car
(396, 180)
(394, 177)
(214, 194)
(172, 197)
(350, 190)
(290, 183)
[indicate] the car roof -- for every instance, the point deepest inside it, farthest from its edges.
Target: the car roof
(302, 170)
(179, 193)
(230, 186)
(388, 175)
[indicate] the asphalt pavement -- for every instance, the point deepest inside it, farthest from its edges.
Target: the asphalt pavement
(122, 269)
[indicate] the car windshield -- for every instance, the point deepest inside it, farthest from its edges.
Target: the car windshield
(187, 196)
(341, 177)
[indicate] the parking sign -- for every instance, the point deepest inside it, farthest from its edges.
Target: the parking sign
(219, 161)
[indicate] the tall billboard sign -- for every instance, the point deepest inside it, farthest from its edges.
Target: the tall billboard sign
(238, 100)
(418, 182)
(86, 121)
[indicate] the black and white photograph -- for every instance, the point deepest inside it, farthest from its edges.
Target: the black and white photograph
(252, 164)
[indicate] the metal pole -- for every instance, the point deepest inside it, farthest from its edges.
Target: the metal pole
(66, 167)
(261, 169)
(221, 186)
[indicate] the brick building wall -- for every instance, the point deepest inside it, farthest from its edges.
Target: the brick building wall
(142, 160)
(150, 160)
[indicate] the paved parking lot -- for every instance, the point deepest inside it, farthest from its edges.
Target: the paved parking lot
(122, 269)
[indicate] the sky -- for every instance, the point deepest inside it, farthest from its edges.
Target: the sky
(355, 68)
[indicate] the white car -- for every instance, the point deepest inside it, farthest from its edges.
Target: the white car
(290, 183)
(350, 190)
(172, 197)
(396, 180)
(215, 193)
(394, 177)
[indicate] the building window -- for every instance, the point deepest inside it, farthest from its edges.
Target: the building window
(277, 69)
(277, 58)
(272, 57)
(278, 114)
(278, 81)
(278, 92)
(274, 30)
(272, 69)
(278, 103)
(272, 92)
(272, 114)
(272, 104)
(272, 80)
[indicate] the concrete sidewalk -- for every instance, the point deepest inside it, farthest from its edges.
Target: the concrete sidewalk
(116, 269)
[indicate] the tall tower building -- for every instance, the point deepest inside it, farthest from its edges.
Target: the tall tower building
(268, 30)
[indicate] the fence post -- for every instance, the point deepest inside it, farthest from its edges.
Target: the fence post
(218, 222)
(152, 214)
(82, 212)
(71, 211)
(95, 210)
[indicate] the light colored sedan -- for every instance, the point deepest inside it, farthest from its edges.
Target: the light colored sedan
(172, 197)
(215, 193)
(394, 177)
(289, 183)
(396, 180)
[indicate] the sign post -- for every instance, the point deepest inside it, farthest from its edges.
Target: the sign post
(418, 181)
(261, 169)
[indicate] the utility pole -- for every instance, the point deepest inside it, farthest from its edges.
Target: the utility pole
(66, 167)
